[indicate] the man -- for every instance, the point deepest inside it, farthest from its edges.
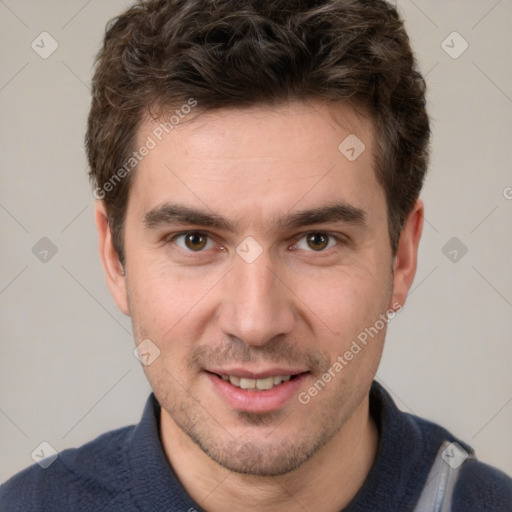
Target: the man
(257, 168)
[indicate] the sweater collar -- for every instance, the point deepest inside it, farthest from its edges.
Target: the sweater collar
(155, 486)
(407, 448)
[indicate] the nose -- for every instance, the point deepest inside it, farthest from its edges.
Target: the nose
(256, 304)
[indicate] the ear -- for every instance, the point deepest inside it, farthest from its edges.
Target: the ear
(406, 258)
(114, 271)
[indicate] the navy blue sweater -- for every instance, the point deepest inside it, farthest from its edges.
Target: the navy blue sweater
(126, 470)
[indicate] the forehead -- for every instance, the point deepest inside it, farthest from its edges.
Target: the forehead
(261, 157)
(293, 130)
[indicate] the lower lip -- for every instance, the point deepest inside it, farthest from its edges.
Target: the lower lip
(248, 400)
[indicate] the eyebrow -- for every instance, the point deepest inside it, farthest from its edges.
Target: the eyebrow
(168, 213)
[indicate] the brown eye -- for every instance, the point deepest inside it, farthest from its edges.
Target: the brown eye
(317, 241)
(195, 241)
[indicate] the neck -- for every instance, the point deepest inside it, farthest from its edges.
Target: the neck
(327, 481)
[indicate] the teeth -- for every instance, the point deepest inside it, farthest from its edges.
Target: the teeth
(256, 384)
(265, 383)
(247, 383)
(234, 380)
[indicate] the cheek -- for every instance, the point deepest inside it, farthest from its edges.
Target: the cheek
(345, 299)
(354, 339)
(169, 311)
(167, 300)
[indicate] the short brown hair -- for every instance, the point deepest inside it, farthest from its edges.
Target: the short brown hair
(235, 53)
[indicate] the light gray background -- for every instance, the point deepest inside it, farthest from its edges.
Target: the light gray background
(67, 372)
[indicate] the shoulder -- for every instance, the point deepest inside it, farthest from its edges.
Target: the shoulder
(482, 488)
(415, 445)
(479, 487)
(78, 479)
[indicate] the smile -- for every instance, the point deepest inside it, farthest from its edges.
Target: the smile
(257, 392)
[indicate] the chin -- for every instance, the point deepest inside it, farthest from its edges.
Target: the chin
(270, 461)
(268, 457)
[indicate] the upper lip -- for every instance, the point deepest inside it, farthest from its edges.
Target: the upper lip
(262, 374)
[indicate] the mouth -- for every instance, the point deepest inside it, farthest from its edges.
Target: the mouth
(257, 393)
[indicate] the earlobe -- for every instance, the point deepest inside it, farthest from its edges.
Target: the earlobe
(406, 258)
(114, 270)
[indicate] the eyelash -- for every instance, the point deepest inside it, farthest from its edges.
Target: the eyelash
(338, 239)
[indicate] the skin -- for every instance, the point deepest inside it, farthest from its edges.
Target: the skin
(295, 306)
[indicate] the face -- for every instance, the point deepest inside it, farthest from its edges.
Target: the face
(257, 255)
